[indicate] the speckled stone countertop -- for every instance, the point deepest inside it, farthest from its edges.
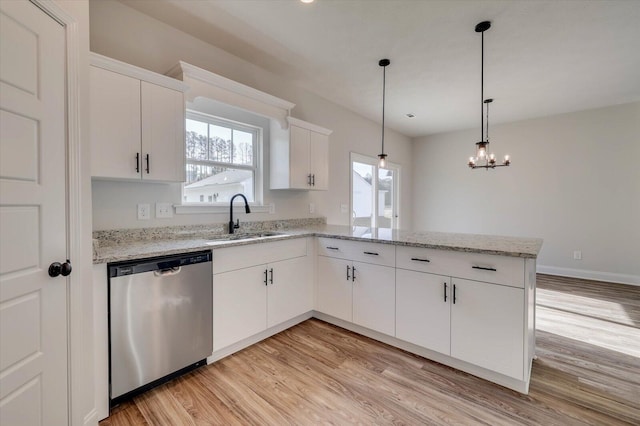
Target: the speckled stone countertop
(119, 245)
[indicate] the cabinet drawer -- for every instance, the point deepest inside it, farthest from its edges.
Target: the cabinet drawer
(232, 258)
(503, 270)
(359, 251)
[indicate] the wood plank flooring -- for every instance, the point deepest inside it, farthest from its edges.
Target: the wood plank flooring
(587, 372)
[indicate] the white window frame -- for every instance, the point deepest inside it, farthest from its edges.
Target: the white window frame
(257, 168)
(365, 159)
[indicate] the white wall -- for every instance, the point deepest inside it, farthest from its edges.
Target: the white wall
(122, 33)
(574, 181)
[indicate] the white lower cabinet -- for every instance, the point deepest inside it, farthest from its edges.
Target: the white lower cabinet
(251, 298)
(357, 292)
(374, 297)
(334, 289)
(290, 290)
(487, 326)
(423, 309)
(239, 305)
(476, 322)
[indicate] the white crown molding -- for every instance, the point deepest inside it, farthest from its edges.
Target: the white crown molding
(612, 277)
(119, 67)
(203, 83)
(309, 126)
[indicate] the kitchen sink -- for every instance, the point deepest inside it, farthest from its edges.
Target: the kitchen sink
(244, 236)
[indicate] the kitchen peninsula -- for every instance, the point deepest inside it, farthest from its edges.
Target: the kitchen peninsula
(467, 301)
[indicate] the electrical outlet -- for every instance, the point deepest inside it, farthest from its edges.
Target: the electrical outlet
(164, 210)
(272, 208)
(144, 211)
(344, 208)
(312, 208)
(577, 255)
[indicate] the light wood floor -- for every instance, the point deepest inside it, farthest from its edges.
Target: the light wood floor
(587, 372)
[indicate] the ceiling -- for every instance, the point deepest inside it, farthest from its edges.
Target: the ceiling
(541, 57)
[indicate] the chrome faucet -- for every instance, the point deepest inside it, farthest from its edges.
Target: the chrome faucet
(232, 225)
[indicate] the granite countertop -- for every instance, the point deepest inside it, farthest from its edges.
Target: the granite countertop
(114, 246)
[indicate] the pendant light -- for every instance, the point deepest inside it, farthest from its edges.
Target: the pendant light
(382, 156)
(484, 160)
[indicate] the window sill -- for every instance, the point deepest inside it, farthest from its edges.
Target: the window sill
(217, 208)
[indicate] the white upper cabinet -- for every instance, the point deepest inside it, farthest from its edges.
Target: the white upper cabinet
(137, 123)
(299, 156)
(114, 98)
(162, 133)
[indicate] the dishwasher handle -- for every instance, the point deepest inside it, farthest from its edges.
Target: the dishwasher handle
(168, 272)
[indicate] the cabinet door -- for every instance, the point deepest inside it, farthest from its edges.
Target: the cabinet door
(487, 326)
(334, 291)
(162, 133)
(114, 111)
(423, 307)
(319, 160)
(299, 152)
(290, 290)
(374, 297)
(239, 305)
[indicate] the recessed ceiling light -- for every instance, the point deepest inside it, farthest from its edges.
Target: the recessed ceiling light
(410, 115)
(306, 1)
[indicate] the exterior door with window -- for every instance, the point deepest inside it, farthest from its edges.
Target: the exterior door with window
(33, 148)
(374, 193)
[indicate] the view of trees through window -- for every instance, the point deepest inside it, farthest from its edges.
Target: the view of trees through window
(220, 160)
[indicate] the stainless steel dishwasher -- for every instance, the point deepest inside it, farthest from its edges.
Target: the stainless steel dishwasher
(160, 320)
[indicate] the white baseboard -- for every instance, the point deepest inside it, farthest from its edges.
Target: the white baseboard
(590, 275)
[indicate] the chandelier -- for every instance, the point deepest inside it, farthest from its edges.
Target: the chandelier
(484, 159)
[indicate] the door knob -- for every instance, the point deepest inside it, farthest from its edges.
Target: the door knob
(57, 268)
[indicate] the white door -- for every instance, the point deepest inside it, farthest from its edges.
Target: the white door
(374, 297)
(290, 290)
(334, 290)
(239, 305)
(33, 322)
(319, 160)
(162, 133)
(115, 125)
(423, 309)
(487, 323)
(299, 157)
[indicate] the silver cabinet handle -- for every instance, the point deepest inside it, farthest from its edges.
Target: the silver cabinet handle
(348, 269)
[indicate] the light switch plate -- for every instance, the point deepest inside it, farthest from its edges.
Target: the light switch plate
(344, 208)
(272, 208)
(312, 208)
(144, 211)
(164, 210)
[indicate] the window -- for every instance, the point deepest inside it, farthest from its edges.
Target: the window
(374, 194)
(221, 159)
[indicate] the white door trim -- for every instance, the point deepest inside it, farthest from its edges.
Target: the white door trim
(77, 349)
